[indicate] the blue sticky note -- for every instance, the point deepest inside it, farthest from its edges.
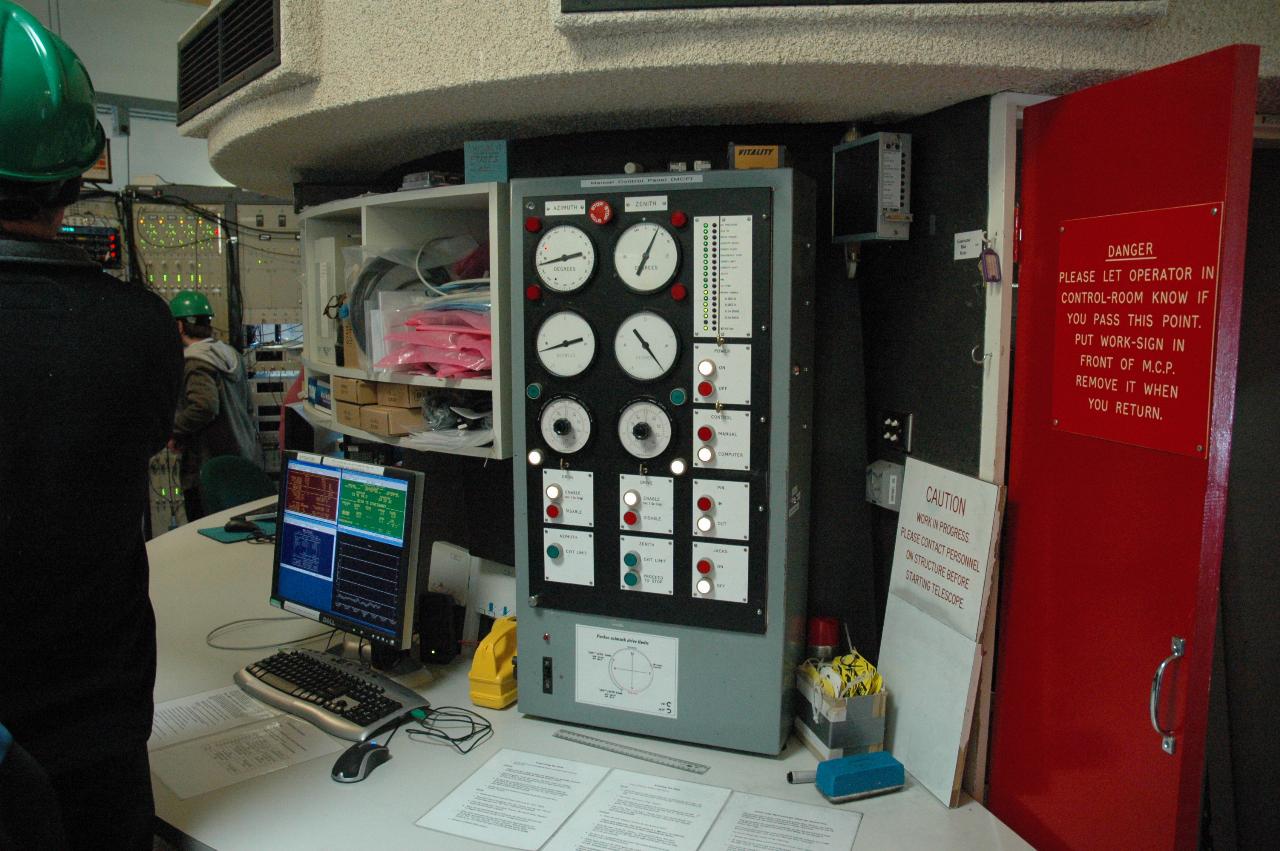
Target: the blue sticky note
(485, 160)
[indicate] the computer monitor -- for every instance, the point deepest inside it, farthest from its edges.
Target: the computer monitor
(347, 546)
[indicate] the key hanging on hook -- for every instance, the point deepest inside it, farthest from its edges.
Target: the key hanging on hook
(989, 262)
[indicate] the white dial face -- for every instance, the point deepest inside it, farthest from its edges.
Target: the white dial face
(565, 425)
(646, 346)
(646, 257)
(564, 258)
(644, 429)
(566, 344)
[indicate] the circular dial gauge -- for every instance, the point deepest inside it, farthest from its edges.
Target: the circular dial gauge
(566, 344)
(644, 429)
(564, 258)
(646, 346)
(646, 257)
(565, 424)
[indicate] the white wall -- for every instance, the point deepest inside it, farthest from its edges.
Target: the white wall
(131, 49)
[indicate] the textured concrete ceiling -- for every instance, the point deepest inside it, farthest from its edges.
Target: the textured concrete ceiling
(365, 85)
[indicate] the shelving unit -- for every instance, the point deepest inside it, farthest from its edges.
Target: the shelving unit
(398, 221)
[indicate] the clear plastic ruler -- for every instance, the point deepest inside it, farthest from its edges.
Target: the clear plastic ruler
(627, 750)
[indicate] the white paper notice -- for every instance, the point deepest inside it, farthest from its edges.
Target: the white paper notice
(199, 766)
(516, 799)
(641, 812)
(203, 714)
(945, 543)
(755, 823)
(631, 671)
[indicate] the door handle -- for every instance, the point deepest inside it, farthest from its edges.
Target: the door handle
(1167, 741)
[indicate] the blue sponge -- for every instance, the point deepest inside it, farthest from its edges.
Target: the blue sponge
(859, 776)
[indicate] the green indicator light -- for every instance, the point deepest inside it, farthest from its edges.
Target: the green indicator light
(179, 279)
(631, 559)
(533, 391)
(631, 579)
(553, 551)
(678, 396)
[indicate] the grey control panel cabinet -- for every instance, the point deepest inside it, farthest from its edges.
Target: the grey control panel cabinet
(662, 392)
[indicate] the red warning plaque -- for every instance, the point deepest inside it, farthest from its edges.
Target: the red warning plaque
(1136, 306)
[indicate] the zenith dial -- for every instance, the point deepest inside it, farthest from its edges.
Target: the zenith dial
(564, 258)
(565, 424)
(646, 257)
(566, 344)
(644, 429)
(646, 346)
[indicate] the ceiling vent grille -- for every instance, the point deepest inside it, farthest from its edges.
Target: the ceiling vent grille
(235, 44)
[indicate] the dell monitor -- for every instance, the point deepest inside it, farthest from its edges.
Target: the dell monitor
(347, 546)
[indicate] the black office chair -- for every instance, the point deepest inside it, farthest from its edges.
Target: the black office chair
(229, 480)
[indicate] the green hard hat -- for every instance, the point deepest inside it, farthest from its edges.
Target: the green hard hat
(47, 121)
(189, 303)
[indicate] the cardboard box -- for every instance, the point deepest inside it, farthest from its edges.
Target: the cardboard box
(357, 391)
(389, 421)
(400, 395)
(843, 727)
(352, 358)
(347, 413)
(757, 156)
(319, 392)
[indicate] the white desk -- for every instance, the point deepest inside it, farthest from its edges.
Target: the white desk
(198, 584)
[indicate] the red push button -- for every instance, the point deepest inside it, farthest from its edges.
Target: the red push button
(600, 212)
(553, 511)
(704, 566)
(706, 388)
(679, 292)
(679, 219)
(705, 503)
(533, 224)
(705, 432)
(630, 518)
(533, 292)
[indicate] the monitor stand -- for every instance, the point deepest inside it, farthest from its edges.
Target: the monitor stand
(361, 650)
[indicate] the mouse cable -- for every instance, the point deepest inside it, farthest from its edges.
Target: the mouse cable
(447, 723)
(218, 630)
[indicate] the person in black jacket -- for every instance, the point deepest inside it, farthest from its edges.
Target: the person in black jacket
(91, 368)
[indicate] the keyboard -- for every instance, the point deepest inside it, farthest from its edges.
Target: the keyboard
(340, 696)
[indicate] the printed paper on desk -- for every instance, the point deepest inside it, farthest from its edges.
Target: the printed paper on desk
(945, 544)
(642, 811)
(753, 821)
(204, 714)
(516, 799)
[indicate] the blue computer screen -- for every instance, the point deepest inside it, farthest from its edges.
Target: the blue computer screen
(343, 547)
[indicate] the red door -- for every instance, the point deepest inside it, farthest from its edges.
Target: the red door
(1134, 205)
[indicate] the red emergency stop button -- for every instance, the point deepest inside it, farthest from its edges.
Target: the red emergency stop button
(679, 219)
(704, 566)
(630, 518)
(532, 224)
(600, 212)
(705, 503)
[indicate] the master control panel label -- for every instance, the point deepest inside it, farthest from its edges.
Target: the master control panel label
(629, 671)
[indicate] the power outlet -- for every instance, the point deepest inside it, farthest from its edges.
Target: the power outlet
(895, 429)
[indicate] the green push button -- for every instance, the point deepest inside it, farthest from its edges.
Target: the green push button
(631, 580)
(553, 551)
(533, 391)
(678, 396)
(631, 559)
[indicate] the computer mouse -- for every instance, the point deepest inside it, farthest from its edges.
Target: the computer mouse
(239, 524)
(358, 761)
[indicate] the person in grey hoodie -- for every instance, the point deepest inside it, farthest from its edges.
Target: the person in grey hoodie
(214, 414)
